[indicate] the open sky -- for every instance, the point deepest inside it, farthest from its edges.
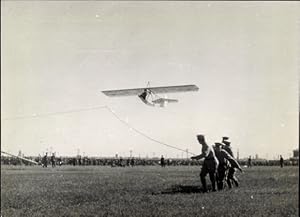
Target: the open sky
(58, 56)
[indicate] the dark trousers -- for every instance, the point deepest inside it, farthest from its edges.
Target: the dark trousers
(221, 174)
(231, 178)
(209, 166)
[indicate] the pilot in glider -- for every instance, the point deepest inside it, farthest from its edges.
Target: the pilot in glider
(149, 94)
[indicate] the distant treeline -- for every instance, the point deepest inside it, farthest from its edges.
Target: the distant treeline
(123, 162)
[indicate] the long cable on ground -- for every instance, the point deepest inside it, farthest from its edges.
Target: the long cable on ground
(23, 158)
(96, 108)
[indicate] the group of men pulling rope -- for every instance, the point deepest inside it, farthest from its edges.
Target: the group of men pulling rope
(219, 163)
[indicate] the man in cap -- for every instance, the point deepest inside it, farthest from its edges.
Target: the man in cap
(227, 146)
(231, 170)
(225, 161)
(210, 163)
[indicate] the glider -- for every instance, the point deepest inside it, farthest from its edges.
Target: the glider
(149, 94)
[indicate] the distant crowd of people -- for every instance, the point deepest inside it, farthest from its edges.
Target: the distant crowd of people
(54, 161)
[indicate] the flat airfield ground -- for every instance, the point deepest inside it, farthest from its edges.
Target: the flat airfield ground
(144, 191)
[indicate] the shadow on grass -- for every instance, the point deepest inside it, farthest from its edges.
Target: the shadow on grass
(184, 189)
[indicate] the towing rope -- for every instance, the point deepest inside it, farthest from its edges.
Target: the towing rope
(97, 108)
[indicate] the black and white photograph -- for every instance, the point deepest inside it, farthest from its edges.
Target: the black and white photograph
(150, 108)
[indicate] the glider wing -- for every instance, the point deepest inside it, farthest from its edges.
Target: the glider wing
(164, 89)
(124, 92)
(174, 89)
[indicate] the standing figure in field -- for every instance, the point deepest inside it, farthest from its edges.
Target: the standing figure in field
(44, 160)
(230, 176)
(210, 163)
(132, 162)
(53, 160)
(249, 162)
(162, 161)
(225, 161)
(281, 161)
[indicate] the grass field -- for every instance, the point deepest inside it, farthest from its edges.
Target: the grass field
(144, 191)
